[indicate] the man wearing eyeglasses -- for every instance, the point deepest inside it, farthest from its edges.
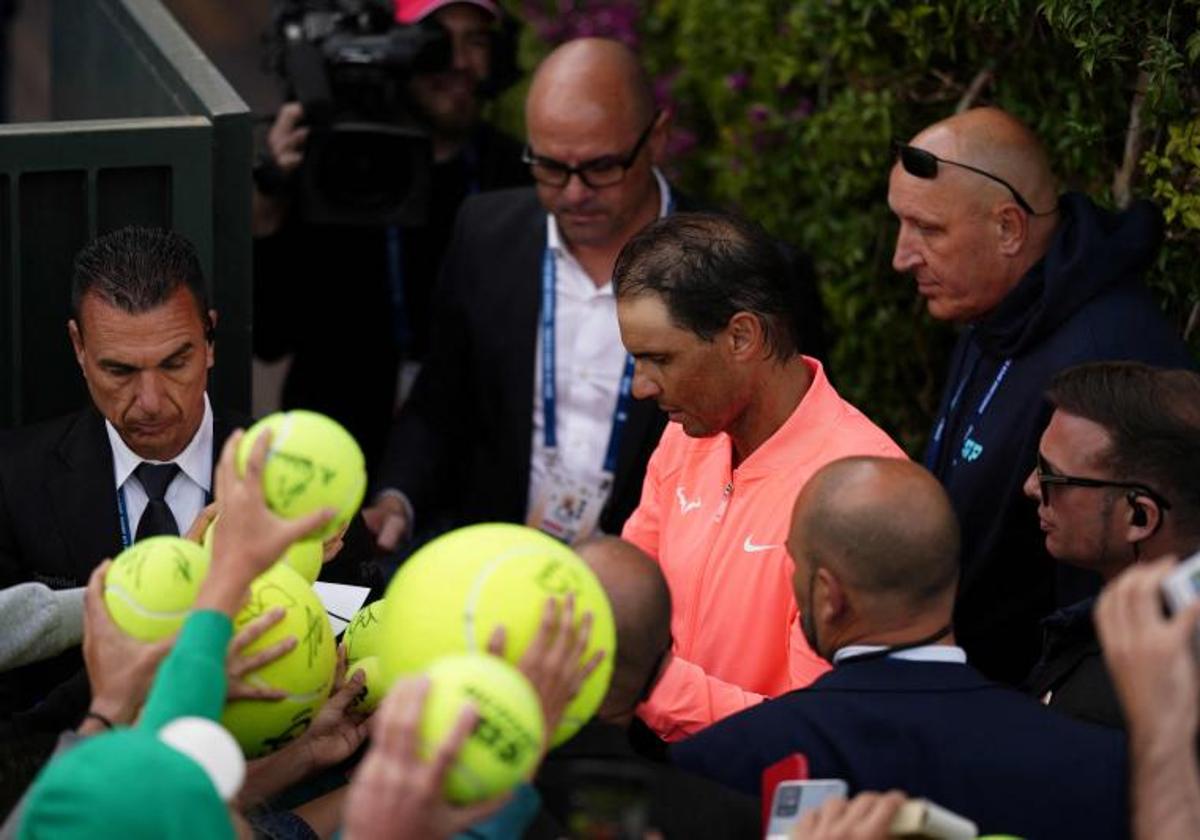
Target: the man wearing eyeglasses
(1115, 483)
(1039, 282)
(523, 411)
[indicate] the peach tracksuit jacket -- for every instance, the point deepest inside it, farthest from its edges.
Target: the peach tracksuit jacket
(718, 534)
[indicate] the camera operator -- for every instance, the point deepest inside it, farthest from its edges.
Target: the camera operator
(350, 301)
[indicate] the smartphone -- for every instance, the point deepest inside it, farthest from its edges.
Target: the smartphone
(793, 798)
(1182, 587)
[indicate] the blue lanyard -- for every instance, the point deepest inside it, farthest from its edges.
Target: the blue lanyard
(549, 389)
(936, 448)
(126, 534)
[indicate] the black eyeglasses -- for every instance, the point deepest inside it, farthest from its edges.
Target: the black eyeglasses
(598, 172)
(1047, 476)
(922, 164)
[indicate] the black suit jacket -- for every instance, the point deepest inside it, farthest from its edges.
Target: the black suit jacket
(461, 448)
(937, 730)
(58, 521)
(58, 504)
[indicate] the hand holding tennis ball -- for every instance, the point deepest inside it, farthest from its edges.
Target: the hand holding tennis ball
(251, 537)
(554, 663)
(151, 586)
(119, 667)
(312, 463)
(451, 595)
(398, 792)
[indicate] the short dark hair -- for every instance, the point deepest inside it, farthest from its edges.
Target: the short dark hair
(1153, 417)
(136, 269)
(708, 267)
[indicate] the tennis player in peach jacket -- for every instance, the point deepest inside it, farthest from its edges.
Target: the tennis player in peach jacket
(707, 310)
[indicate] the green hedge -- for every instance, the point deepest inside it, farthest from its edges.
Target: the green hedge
(785, 111)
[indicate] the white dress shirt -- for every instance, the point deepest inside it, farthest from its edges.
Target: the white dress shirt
(188, 491)
(588, 365)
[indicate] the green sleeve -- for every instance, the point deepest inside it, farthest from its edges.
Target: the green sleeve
(191, 680)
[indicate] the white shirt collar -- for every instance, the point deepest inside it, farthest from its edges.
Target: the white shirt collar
(925, 653)
(554, 240)
(195, 461)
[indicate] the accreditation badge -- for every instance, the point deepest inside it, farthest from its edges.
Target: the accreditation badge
(569, 506)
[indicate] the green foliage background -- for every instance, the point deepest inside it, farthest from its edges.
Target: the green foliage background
(785, 110)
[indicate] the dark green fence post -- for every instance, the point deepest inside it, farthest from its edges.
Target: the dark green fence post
(145, 131)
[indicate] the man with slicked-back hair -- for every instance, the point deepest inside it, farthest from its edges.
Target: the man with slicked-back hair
(136, 462)
(1039, 281)
(874, 544)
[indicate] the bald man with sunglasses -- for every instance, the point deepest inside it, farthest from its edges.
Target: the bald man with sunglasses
(1039, 282)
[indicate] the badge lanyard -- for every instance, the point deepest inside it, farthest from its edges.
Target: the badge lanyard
(935, 451)
(549, 386)
(126, 534)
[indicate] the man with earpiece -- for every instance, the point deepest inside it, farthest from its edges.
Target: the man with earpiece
(1115, 483)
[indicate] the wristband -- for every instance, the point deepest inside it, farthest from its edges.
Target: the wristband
(96, 716)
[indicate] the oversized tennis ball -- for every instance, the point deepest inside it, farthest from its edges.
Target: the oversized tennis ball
(151, 586)
(450, 596)
(505, 743)
(374, 686)
(305, 557)
(313, 463)
(305, 672)
(364, 635)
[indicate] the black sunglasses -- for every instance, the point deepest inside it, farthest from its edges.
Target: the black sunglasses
(922, 164)
(1047, 476)
(599, 172)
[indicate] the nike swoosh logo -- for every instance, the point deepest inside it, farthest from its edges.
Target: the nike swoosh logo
(751, 547)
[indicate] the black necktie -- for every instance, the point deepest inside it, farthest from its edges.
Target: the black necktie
(157, 518)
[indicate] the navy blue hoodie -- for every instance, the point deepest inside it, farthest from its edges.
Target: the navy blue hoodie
(1083, 302)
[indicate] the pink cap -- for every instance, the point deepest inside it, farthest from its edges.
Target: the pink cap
(411, 11)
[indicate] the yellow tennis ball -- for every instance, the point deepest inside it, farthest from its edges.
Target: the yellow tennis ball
(374, 685)
(451, 595)
(305, 672)
(313, 463)
(151, 586)
(305, 557)
(506, 741)
(364, 635)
